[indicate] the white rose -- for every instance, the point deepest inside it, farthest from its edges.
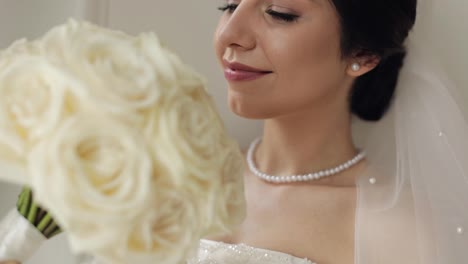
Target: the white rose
(189, 135)
(95, 176)
(199, 177)
(228, 198)
(119, 69)
(32, 102)
(167, 232)
(180, 214)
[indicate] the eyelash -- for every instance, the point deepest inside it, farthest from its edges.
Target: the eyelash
(230, 8)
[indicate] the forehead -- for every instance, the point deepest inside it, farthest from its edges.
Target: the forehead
(328, 4)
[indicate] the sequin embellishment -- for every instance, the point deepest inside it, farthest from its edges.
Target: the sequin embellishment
(214, 252)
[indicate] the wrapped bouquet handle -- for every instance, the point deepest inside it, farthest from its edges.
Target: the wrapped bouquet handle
(24, 229)
(37, 216)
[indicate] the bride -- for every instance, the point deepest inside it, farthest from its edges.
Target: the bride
(304, 67)
(360, 160)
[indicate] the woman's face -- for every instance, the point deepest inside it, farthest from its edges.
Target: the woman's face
(281, 56)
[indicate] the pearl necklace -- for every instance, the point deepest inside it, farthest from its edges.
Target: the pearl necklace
(298, 178)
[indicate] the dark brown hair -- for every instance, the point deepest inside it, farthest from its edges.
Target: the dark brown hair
(375, 28)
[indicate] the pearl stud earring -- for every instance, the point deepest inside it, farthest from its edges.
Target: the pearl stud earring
(355, 67)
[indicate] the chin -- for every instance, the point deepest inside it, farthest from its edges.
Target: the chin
(249, 109)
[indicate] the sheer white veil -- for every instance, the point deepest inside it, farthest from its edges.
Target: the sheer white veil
(412, 202)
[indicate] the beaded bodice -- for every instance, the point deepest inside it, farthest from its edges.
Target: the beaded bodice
(214, 252)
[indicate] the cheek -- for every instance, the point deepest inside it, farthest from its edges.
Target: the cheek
(312, 65)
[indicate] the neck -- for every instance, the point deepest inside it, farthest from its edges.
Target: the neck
(306, 142)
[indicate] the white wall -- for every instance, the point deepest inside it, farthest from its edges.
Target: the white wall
(454, 53)
(447, 31)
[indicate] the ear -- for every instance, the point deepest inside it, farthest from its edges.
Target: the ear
(366, 64)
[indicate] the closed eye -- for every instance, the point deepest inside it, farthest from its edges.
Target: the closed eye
(230, 8)
(282, 16)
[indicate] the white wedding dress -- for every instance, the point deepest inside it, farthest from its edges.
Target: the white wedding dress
(214, 252)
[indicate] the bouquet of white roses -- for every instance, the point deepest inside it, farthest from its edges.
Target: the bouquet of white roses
(119, 141)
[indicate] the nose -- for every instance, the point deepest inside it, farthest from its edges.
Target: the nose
(236, 30)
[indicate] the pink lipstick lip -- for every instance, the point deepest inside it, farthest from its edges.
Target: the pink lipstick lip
(242, 67)
(235, 71)
(239, 75)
